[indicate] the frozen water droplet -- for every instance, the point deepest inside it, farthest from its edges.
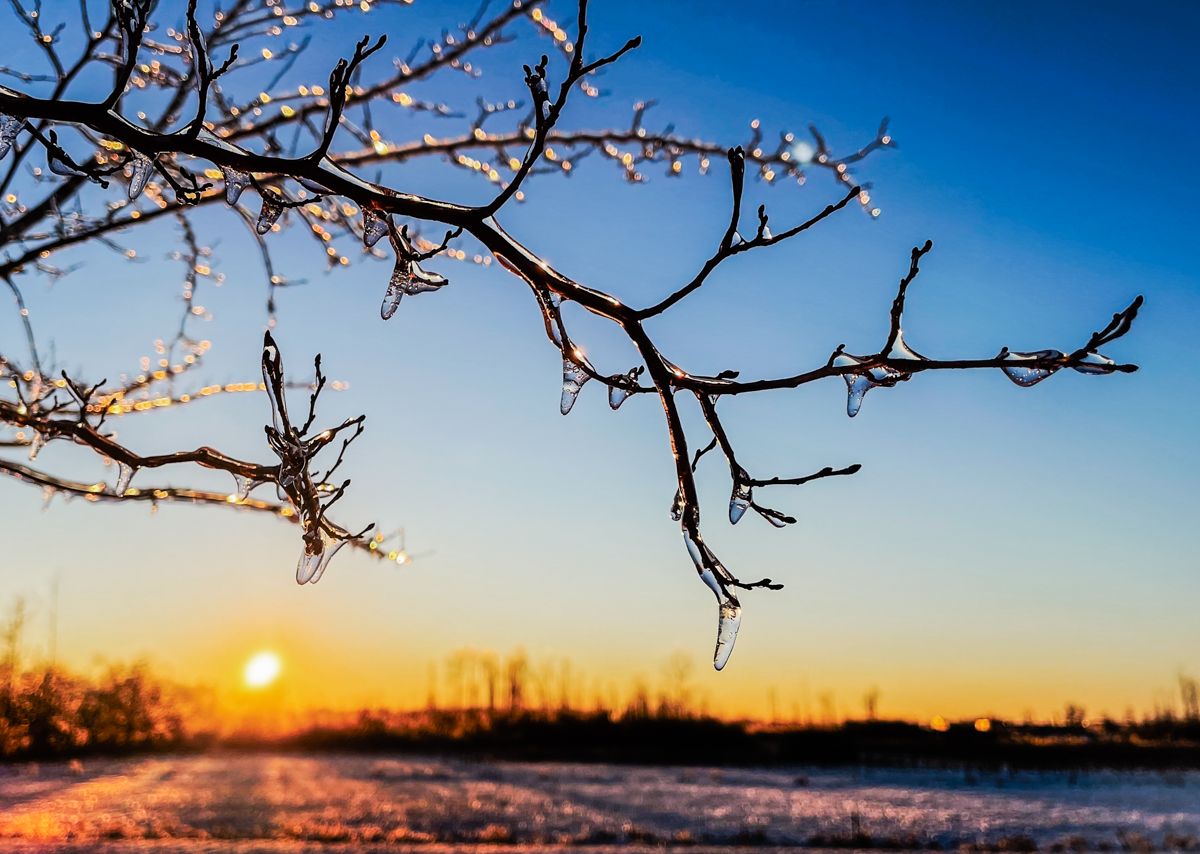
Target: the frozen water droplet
(739, 502)
(766, 233)
(729, 620)
(36, 444)
(373, 227)
(1026, 377)
(574, 376)
(1094, 364)
(857, 387)
(729, 613)
(555, 299)
(47, 496)
(774, 520)
(244, 485)
(737, 238)
(397, 287)
(677, 506)
(900, 350)
(10, 126)
(235, 183)
(858, 384)
(124, 476)
(312, 566)
(141, 167)
(619, 394)
(272, 207)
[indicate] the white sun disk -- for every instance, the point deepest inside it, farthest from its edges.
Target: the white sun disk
(262, 670)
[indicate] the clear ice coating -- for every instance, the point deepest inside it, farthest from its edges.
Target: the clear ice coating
(374, 227)
(62, 167)
(900, 350)
(1026, 377)
(574, 376)
(272, 207)
(124, 476)
(739, 502)
(1094, 364)
(141, 167)
(729, 611)
(35, 445)
(235, 183)
(858, 384)
(312, 566)
(10, 126)
(677, 506)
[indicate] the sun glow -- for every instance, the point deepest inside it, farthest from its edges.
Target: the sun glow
(261, 670)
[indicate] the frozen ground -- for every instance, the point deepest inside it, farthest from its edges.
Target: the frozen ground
(294, 802)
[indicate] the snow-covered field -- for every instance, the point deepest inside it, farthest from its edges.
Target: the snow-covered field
(296, 802)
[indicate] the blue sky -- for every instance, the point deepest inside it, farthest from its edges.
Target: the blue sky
(1002, 550)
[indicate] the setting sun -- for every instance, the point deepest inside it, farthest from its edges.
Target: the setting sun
(262, 670)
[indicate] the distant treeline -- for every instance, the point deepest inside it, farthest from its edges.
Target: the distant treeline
(509, 709)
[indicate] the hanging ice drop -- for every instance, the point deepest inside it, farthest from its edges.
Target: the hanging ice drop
(35, 445)
(619, 394)
(272, 207)
(373, 227)
(397, 287)
(1029, 376)
(10, 126)
(243, 485)
(124, 476)
(235, 183)
(574, 376)
(140, 167)
(739, 502)
(312, 566)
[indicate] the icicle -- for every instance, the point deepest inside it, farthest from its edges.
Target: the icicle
(574, 376)
(1026, 377)
(235, 183)
(36, 444)
(10, 126)
(373, 227)
(141, 167)
(739, 502)
(47, 496)
(401, 276)
(124, 476)
(729, 611)
(1095, 364)
(272, 207)
(312, 566)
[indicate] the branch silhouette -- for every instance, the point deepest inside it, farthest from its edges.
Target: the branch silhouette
(167, 167)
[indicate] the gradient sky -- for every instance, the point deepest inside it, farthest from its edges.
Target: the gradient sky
(1003, 551)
